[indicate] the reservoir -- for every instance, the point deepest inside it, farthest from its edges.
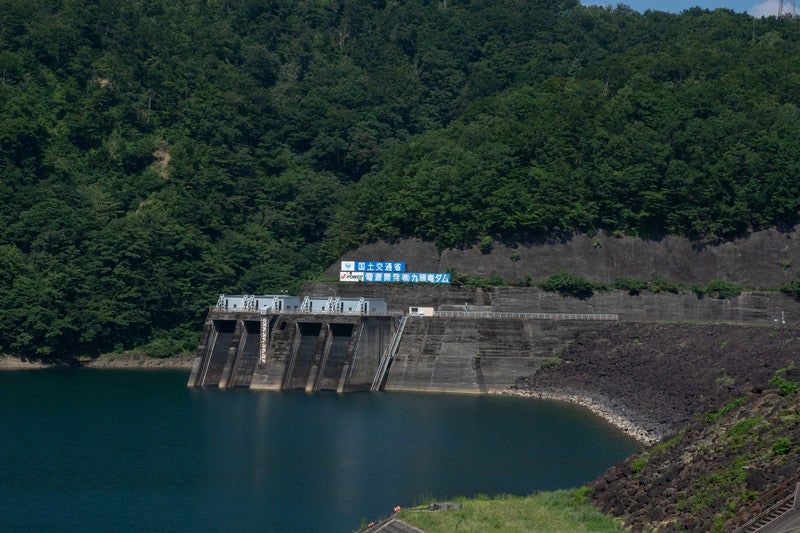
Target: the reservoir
(136, 450)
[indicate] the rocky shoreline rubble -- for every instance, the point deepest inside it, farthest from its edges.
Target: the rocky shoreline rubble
(127, 361)
(654, 378)
(704, 392)
(15, 363)
(179, 362)
(627, 424)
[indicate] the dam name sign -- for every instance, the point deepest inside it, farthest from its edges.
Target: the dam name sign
(387, 272)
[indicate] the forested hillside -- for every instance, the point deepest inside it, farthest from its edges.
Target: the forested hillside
(154, 153)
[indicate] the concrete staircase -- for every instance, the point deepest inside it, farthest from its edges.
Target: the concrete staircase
(772, 514)
(386, 359)
(764, 522)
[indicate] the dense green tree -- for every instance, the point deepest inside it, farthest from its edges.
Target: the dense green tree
(154, 154)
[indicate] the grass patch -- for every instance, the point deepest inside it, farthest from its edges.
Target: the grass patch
(723, 490)
(562, 510)
(727, 381)
(664, 444)
(555, 360)
(738, 432)
(638, 464)
(723, 378)
(782, 446)
(727, 408)
(785, 388)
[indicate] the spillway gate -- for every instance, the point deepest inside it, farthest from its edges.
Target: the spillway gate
(291, 351)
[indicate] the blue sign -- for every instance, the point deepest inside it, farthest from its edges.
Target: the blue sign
(378, 266)
(440, 278)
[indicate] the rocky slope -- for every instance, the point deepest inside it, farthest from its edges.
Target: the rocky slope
(717, 472)
(181, 361)
(705, 392)
(127, 360)
(661, 375)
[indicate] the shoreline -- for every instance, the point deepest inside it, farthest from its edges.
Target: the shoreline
(14, 363)
(599, 408)
(126, 362)
(131, 362)
(185, 362)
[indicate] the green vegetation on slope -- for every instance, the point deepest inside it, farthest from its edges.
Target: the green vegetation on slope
(719, 471)
(154, 154)
(569, 284)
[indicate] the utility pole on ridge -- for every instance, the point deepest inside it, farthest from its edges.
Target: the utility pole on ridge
(782, 12)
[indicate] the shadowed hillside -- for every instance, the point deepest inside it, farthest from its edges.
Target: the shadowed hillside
(154, 154)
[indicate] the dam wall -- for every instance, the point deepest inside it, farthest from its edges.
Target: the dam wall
(359, 353)
(478, 340)
(477, 355)
(291, 351)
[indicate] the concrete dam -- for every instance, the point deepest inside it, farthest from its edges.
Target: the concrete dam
(467, 340)
(290, 351)
(339, 347)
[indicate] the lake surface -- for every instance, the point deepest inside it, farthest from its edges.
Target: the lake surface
(119, 450)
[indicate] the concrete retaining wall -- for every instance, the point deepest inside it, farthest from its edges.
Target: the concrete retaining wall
(761, 259)
(470, 355)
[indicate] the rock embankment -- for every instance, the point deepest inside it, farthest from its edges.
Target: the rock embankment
(727, 441)
(658, 376)
(604, 408)
(180, 361)
(15, 363)
(718, 472)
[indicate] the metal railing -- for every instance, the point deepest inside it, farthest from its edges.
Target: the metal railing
(383, 366)
(437, 314)
(270, 311)
(783, 493)
(529, 316)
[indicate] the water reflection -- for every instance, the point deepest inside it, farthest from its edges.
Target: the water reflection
(134, 451)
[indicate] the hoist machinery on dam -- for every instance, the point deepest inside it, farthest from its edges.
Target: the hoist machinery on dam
(345, 344)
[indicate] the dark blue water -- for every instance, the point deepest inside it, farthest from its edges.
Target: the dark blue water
(114, 450)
